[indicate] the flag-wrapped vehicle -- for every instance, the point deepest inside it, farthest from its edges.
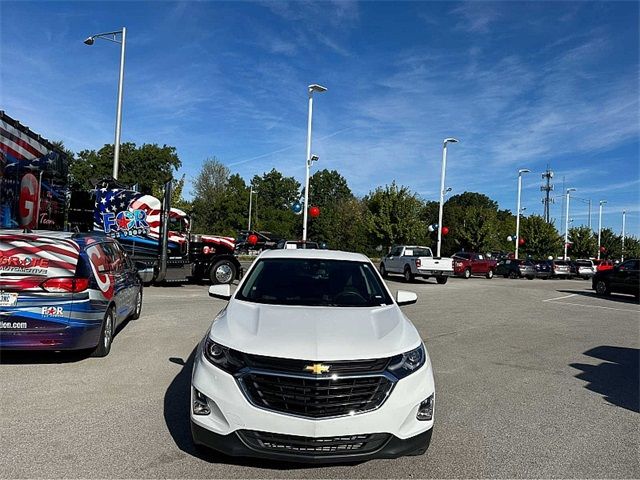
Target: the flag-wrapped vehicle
(64, 291)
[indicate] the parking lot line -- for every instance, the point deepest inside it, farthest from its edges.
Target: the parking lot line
(595, 306)
(559, 298)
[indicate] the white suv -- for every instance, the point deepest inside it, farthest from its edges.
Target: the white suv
(312, 361)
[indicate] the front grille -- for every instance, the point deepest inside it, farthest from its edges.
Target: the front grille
(321, 446)
(344, 367)
(315, 397)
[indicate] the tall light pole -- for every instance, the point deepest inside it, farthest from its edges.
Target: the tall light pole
(251, 193)
(319, 89)
(602, 202)
(520, 172)
(624, 217)
(442, 190)
(566, 223)
(113, 37)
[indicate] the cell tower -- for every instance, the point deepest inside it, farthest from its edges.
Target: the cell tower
(547, 188)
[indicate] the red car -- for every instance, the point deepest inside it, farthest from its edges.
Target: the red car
(466, 264)
(602, 265)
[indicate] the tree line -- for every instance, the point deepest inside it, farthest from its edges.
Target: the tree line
(387, 215)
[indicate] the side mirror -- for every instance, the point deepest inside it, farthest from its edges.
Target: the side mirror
(222, 291)
(406, 298)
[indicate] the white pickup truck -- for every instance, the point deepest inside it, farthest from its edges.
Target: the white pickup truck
(412, 261)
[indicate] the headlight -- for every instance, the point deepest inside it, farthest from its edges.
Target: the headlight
(407, 363)
(222, 357)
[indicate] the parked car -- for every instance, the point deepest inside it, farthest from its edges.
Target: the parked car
(64, 291)
(583, 268)
(351, 381)
(602, 265)
(560, 269)
(543, 268)
(413, 260)
(512, 268)
(466, 264)
(295, 245)
(623, 278)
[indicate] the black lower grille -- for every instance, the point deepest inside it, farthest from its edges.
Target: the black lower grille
(329, 446)
(316, 397)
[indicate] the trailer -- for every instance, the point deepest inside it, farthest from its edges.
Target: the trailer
(33, 179)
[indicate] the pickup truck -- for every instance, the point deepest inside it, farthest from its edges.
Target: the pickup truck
(412, 261)
(466, 264)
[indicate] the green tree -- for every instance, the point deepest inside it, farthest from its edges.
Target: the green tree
(209, 189)
(148, 166)
(327, 187)
(275, 195)
(541, 239)
(631, 247)
(612, 244)
(394, 216)
(583, 242)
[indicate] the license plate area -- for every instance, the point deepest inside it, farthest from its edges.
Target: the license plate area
(8, 299)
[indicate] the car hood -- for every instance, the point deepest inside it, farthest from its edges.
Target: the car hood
(314, 333)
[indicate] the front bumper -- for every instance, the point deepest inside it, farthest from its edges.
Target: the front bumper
(238, 444)
(231, 412)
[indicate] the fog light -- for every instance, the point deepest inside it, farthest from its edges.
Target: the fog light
(200, 405)
(425, 410)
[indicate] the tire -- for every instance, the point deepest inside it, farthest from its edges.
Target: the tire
(408, 276)
(530, 277)
(467, 273)
(106, 335)
(602, 288)
(138, 308)
(223, 271)
(383, 271)
(513, 275)
(506, 275)
(441, 280)
(489, 274)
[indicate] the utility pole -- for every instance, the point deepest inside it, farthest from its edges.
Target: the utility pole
(547, 188)
(624, 217)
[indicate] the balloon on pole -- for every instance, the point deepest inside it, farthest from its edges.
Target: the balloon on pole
(252, 239)
(445, 230)
(296, 208)
(314, 212)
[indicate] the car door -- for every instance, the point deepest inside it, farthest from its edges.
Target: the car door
(622, 277)
(393, 260)
(480, 264)
(633, 280)
(131, 278)
(117, 268)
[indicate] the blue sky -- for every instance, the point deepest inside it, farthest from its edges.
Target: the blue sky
(522, 85)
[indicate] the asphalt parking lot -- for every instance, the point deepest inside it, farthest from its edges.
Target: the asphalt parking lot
(534, 379)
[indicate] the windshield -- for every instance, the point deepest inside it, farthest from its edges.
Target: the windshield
(314, 282)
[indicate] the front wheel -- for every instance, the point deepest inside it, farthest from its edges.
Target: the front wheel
(602, 288)
(106, 335)
(530, 277)
(223, 271)
(383, 271)
(514, 275)
(467, 273)
(490, 274)
(408, 276)
(442, 280)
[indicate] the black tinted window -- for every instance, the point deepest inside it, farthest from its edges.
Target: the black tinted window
(314, 282)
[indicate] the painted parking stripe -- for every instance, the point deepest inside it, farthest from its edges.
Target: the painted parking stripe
(559, 298)
(598, 306)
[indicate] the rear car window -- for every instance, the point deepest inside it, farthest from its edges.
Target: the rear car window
(36, 257)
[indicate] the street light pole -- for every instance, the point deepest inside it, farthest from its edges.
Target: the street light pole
(442, 190)
(520, 172)
(112, 37)
(250, 204)
(624, 217)
(602, 202)
(319, 89)
(566, 223)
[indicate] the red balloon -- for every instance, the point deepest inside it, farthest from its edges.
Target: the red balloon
(445, 230)
(603, 249)
(314, 211)
(252, 239)
(521, 241)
